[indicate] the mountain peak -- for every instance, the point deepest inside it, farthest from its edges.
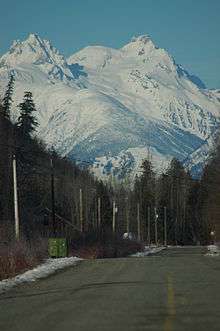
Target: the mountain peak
(32, 40)
(37, 51)
(143, 39)
(139, 45)
(33, 37)
(130, 101)
(32, 50)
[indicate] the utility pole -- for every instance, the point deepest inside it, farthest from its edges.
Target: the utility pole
(115, 210)
(155, 225)
(81, 210)
(127, 218)
(165, 226)
(52, 196)
(17, 235)
(176, 222)
(148, 225)
(138, 222)
(99, 212)
(113, 217)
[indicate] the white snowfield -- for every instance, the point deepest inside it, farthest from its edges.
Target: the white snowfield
(113, 107)
(149, 251)
(213, 250)
(44, 270)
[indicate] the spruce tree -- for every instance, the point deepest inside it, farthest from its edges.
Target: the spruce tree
(147, 183)
(144, 194)
(6, 211)
(27, 122)
(209, 197)
(179, 186)
(7, 100)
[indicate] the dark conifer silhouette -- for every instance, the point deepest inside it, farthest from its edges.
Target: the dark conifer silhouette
(7, 99)
(27, 122)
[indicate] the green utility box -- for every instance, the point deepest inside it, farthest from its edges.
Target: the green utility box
(57, 247)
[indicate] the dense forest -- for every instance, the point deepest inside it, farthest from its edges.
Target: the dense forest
(58, 198)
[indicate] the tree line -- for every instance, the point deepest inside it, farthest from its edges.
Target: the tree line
(172, 206)
(35, 165)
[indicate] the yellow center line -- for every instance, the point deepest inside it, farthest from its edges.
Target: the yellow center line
(171, 309)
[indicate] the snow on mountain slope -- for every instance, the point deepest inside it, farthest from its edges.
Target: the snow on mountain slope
(126, 165)
(36, 54)
(110, 107)
(94, 57)
(145, 78)
(196, 161)
(37, 66)
(99, 125)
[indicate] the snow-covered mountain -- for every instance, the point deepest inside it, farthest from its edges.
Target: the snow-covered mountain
(114, 107)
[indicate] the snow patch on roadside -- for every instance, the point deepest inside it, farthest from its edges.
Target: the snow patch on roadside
(149, 251)
(213, 250)
(44, 270)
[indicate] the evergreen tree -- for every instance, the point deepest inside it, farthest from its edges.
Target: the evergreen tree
(7, 100)
(144, 194)
(6, 211)
(147, 183)
(209, 197)
(26, 122)
(180, 182)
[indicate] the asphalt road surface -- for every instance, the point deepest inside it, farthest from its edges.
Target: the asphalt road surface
(178, 289)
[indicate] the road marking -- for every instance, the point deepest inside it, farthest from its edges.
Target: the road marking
(171, 309)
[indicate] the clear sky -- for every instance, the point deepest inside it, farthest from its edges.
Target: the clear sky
(188, 29)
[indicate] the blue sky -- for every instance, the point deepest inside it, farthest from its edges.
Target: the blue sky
(188, 29)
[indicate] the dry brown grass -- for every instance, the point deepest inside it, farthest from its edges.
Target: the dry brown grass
(20, 256)
(120, 248)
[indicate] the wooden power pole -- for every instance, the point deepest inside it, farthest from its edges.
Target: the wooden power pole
(17, 234)
(99, 213)
(81, 210)
(155, 225)
(148, 226)
(165, 226)
(138, 222)
(53, 197)
(127, 218)
(113, 217)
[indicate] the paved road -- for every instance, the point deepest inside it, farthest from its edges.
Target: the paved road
(179, 289)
